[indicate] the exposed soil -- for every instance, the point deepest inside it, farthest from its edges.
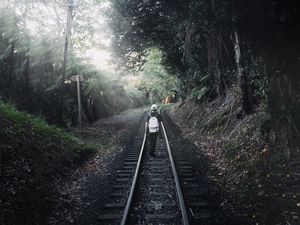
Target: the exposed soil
(252, 182)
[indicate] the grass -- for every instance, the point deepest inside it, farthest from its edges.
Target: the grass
(19, 127)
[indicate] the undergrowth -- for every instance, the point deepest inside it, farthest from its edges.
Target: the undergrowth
(17, 126)
(35, 156)
(230, 150)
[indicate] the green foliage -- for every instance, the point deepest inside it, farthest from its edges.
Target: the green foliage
(155, 78)
(198, 94)
(196, 38)
(18, 127)
(257, 81)
(113, 93)
(31, 62)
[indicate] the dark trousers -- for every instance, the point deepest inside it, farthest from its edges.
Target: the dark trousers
(152, 138)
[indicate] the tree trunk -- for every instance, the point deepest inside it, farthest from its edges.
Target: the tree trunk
(283, 98)
(27, 93)
(64, 67)
(190, 29)
(10, 89)
(242, 80)
(213, 58)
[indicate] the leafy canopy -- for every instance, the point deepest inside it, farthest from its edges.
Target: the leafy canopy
(155, 77)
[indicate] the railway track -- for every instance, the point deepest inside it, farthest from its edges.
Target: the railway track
(157, 190)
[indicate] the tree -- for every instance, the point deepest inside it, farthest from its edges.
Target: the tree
(235, 43)
(155, 78)
(32, 59)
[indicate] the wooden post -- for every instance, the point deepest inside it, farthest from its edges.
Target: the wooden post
(79, 102)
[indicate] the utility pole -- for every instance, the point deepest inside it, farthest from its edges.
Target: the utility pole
(67, 40)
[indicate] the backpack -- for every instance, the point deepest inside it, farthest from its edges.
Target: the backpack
(153, 124)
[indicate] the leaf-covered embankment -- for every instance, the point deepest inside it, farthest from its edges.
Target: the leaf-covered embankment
(257, 183)
(34, 158)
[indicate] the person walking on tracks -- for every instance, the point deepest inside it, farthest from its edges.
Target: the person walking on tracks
(153, 127)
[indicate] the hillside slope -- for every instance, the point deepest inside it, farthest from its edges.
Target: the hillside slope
(34, 157)
(53, 177)
(257, 183)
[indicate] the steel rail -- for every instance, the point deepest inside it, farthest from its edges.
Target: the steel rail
(178, 188)
(130, 197)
